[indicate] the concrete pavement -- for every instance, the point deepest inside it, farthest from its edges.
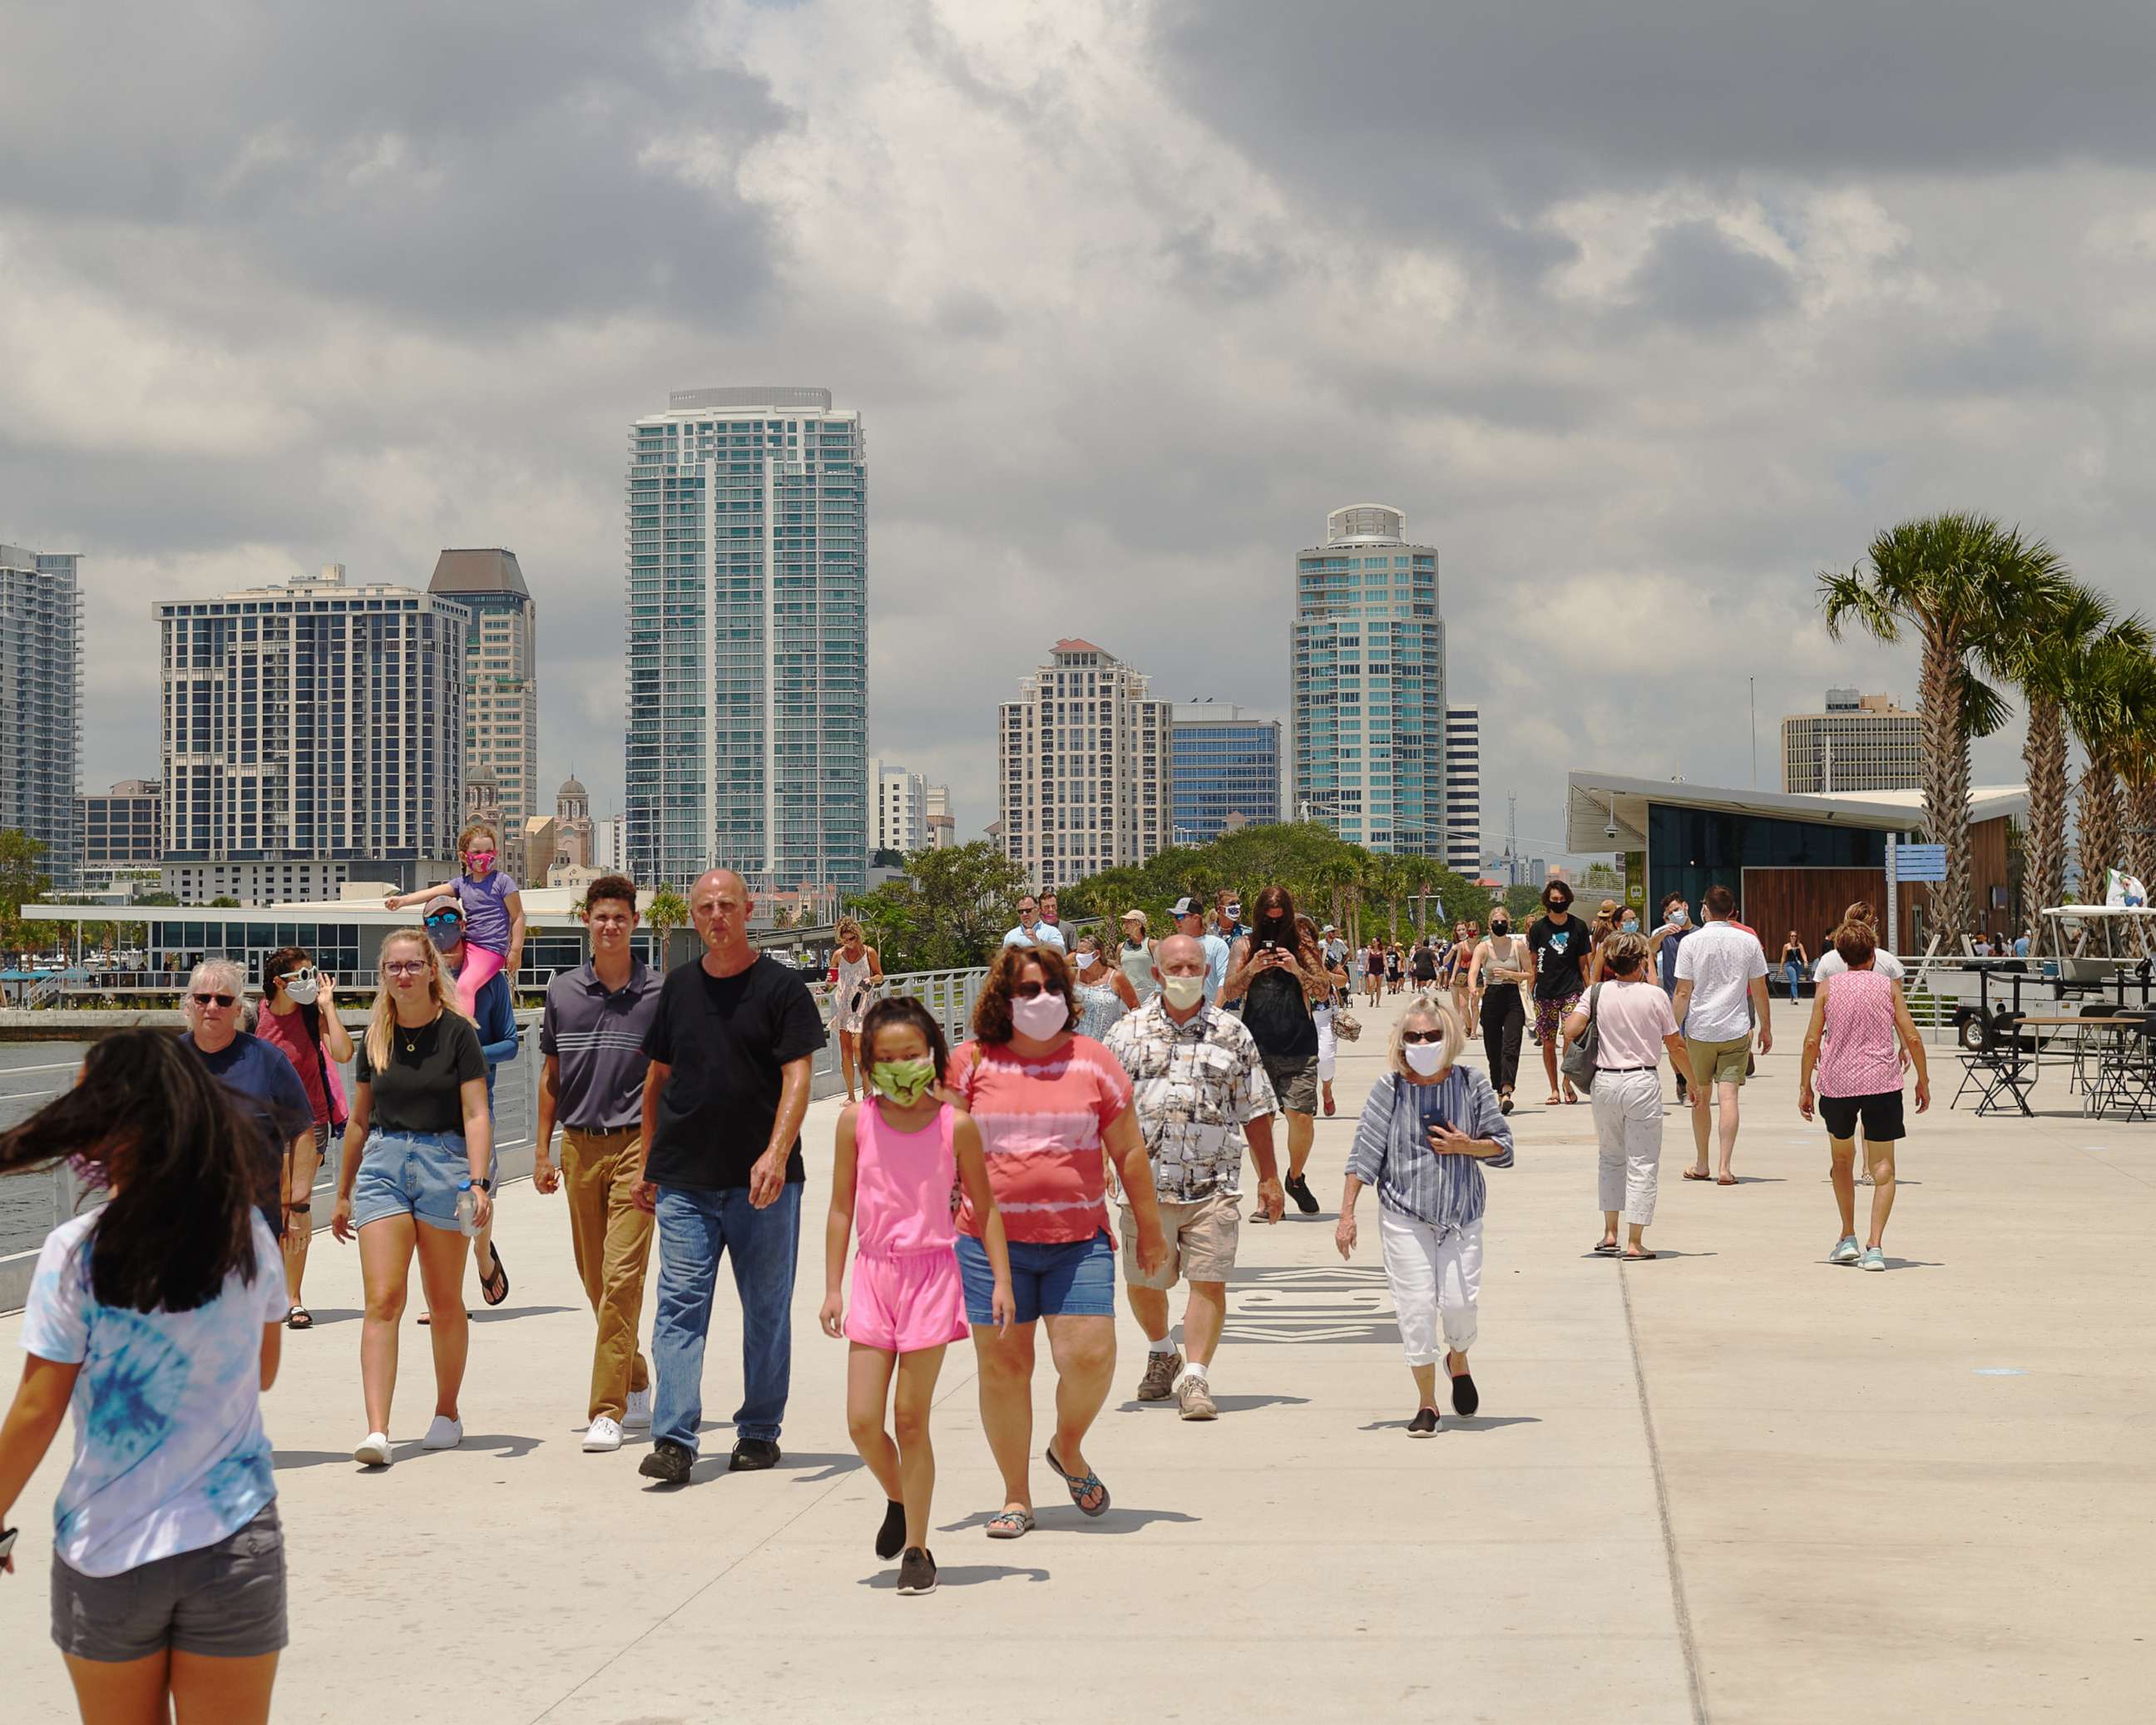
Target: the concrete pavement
(1734, 1484)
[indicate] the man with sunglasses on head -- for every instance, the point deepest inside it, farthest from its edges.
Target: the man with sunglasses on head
(1031, 931)
(495, 1012)
(257, 1070)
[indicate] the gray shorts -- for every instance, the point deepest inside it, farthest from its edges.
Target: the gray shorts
(1295, 1081)
(225, 1601)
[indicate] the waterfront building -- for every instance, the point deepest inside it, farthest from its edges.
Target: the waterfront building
(747, 647)
(502, 675)
(1861, 743)
(1463, 790)
(1083, 768)
(899, 810)
(41, 702)
(1226, 770)
(122, 828)
(1367, 673)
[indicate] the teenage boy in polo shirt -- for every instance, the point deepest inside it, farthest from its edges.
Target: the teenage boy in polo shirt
(592, 1035)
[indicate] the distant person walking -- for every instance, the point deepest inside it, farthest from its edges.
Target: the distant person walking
(1373, 969)
(1277, 976)
(1635, 1024)
(1795, 960)
(1325, 1010)
(494, 914)
(1031, 931)
(1104, 993)
(856, 968)
(1676, 913)
(1559, 942)
(1721, 993)
(157, 1317)
(1832, 963)
(255, 1071)
(1858, 1018)
(592, 1034)
(1499, 969)
(299, 1016)
(731, 1044)
(1189, 917)
(1427, 1129)
(412, 1175)
(1135, 956)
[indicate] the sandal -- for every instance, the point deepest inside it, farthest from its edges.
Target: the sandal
(299, 1318)
(1642, 1256)
(1082, 1485)
(1010, 1524)
(1555, 1100)
(495, 1287)
(1605, 1246)
(1693, 1174)
(1725, 1179)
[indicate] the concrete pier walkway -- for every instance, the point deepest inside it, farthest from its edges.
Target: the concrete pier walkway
(1735, 1484)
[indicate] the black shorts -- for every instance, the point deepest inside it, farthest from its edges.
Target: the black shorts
(1881, 1113)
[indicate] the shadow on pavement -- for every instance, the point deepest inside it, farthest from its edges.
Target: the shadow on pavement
(1052, 1519)
(959, 1575)
(1225, 1404)
(502, 1314)
(1455, 1422)
(824, 1465)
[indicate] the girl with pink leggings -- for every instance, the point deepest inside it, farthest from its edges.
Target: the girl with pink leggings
(493, 915)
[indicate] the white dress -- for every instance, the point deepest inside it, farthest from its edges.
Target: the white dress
(855, 992)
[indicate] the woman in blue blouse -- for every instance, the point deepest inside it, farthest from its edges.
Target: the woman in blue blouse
(1426, 1130)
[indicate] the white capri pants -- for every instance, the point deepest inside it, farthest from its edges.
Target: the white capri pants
(1434, 1276)
(1627, 1120)
(1326, 1047)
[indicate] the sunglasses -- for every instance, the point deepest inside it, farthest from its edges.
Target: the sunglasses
(1029, 991)
(201, 999)
(1422, 1036)
(445, 919)
(406, 966)
(302, 974)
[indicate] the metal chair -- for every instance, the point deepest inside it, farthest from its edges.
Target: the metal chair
(1997, 1066)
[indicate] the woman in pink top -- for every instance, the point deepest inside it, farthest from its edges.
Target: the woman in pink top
(299, 1014)
(1636, 1026)
(1858, 1017)
(1051, 1105)
(899, 1152)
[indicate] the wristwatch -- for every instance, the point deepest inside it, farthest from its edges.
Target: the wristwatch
(483, 1185)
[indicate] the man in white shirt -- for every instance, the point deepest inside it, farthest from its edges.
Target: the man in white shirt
(1031, 931)
(1882, 961)
(1722, 992)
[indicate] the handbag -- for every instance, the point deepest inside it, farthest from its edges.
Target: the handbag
(1345, 1025)
(1578, 1064)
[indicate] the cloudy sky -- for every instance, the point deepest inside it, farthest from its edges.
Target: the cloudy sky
(1643, 314)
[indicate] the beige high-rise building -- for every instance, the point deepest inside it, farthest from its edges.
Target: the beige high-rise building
(1861, 743)
(898, 811)
(501, 676)
(942, 824)
(1084, 767)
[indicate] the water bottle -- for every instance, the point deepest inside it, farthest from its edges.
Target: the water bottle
(467, 1210)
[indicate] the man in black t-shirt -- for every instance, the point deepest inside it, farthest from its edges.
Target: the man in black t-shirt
(731, 1047)
(1559, 942)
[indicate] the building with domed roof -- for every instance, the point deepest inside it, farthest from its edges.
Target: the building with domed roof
(573, 823)
(501, 676)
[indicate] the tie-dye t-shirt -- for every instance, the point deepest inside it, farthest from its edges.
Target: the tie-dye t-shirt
(169, 1450)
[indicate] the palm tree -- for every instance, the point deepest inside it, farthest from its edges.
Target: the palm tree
(1956, 580)
(2107, 705)
(666, 912)
(2045, 661)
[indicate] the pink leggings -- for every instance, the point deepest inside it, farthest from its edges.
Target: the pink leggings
(481, 966)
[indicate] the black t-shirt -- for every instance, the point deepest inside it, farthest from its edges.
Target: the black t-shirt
(1425, 965)
(1560, 956)
(724, 1040)
(420, 1090)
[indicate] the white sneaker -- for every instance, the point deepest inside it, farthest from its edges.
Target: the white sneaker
(374, 1450)
(603, 1437)
(444, 1433)
(638, 1412)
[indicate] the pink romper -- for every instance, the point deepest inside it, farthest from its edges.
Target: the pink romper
(906, 1292)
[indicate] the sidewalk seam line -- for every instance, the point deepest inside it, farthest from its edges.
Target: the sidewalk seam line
(1683, 1609)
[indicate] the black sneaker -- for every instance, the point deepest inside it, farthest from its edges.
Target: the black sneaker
(1306, 1200)
(1424, 1423)
(891, 1538)
(753, 1455)
(1466, 1397)
(668, 1462)
(917, 1571)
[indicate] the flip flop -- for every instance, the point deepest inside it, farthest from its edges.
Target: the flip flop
(1641, 1257)
(1082, 1486)
(495, 1287)
(1555, 1100)
(1010, 1524)
(1725, 1179)
(1605, 1246)
(299, 1318)
(1694, 1174)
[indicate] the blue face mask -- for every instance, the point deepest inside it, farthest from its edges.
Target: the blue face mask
(1631, 925)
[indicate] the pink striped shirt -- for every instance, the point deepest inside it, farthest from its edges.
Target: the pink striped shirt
(1856, 1046)
(1042, 1121)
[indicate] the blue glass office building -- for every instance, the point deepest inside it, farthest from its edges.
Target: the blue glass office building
(1227, 770)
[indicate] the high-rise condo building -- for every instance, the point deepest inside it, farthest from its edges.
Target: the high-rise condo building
(313, 733)
(1861, 743)
(942, 824)
(123, 828)
(747, 660)
(607, 854)
(898, 814)
(501, 676)
(1227, 770)
(1463, 790)
(1365, 666)
(1084, 772)
(41, 703)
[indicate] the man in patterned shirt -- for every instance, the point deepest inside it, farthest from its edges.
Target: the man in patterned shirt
(1200, 1085)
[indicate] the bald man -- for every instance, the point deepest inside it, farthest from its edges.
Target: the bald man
(730, 1046)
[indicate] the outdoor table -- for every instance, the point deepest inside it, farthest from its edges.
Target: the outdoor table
(2120, 1077)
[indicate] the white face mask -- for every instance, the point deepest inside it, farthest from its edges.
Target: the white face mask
(1183, 992)
(1041, 1016)
(1084, 961)
(303, 991)
(1424, 1057)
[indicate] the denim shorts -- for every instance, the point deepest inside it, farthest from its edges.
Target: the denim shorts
(413, 1174)
(1075, 1279)
(225, 1601)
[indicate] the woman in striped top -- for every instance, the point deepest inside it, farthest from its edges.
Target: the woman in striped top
(1426, 1130)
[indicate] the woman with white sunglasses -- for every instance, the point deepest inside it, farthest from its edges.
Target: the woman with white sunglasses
(299, 1016)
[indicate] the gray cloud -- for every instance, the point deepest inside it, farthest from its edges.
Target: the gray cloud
(1694, 276)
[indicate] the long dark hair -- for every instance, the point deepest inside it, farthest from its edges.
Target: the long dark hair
(904, 1009)
(273, 967)
(148, 1119)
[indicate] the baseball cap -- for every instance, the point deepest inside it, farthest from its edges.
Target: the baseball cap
(1186, 906)
(1134, 916)
(1328, 929)
(444, 903)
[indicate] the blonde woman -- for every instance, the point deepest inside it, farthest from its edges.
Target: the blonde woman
(417, 1141)
(858, 968)
(1427, 1130)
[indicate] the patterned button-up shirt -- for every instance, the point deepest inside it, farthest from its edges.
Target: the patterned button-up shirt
(1195, 1084)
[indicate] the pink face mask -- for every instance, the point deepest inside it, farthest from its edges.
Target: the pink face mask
(479, 862)
(1041, 1016)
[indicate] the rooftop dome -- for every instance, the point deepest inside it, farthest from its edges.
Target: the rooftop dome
(572, 786)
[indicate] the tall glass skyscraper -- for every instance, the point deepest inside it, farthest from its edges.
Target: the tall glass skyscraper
(747, 719)
(41, 703)
(1227, 770)
(1366, 662)
(502, 678)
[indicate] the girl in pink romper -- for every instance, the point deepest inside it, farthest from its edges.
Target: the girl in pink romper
(901, 1154)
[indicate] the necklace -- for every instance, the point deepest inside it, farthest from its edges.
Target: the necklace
(410, 1039)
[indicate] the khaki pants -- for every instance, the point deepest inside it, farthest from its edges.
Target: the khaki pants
(612, 1238)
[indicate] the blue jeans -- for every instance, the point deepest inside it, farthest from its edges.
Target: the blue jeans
(1795, 975)
(695, 1230)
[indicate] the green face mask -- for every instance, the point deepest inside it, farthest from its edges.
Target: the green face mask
(904, 1081)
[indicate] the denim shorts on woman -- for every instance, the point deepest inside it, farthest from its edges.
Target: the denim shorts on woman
(226, 1601)
(413, 1174)
(1076, 1279)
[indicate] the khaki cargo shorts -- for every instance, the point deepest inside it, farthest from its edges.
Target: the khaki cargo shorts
(1201, 1241)
(1719, 1062)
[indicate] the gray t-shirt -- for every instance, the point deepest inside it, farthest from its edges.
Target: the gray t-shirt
(596, 1038)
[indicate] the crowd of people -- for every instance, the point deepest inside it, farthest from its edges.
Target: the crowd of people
(1091, 1130)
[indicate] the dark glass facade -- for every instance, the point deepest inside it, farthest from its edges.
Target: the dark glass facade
(1691, 849)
